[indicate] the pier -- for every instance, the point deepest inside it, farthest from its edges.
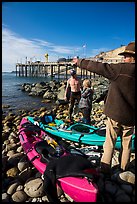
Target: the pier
(43, 69)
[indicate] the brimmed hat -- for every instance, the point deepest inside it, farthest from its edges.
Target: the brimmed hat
(72, 72)
(130, 49)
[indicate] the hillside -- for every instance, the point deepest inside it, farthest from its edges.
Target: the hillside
(111, 56)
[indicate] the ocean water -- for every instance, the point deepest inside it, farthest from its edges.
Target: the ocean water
(17, 99)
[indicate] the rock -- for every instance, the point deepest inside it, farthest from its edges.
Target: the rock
(125, 190)
(46, 101)
(10, 147)
(14, 159)
(50, 95)
(59, 191)
(5, 136)
(6, 129)
(12, 188)
(19, 149)
(127, 177)
(12, 172)
(5, 197)
(45, 199)
(10, 153)
(43, 109)
(24, 175)
(34, 188)
(9, 118)
(23, 164)
(19, 196)
(4, 162)
(62, 102)
(20, 188)
(5, 106)
(61, 93)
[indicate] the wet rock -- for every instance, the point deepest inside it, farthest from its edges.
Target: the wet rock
(5, 106)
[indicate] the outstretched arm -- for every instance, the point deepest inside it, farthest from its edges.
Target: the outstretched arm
(109, 71)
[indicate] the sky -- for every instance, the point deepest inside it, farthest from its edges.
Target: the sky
(63, 29)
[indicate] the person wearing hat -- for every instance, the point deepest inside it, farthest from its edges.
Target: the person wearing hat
(119, 106)
(74, 87)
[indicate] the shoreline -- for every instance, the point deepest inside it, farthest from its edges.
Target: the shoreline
(17, 171)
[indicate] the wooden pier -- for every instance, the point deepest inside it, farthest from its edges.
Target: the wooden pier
(43, 69)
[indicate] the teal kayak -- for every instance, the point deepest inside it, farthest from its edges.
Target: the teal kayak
(77, 132)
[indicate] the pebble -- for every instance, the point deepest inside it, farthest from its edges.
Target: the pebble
(19, 196)
(12, 172)
(34, 188)
(5, 197)
(21, 182)
(12, 188)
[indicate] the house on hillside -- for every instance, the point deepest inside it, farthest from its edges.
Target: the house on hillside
(111, 56)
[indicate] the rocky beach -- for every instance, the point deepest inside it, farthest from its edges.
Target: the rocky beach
(21, 182)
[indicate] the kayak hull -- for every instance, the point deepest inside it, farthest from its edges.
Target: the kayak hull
(95, 136)
(78, 188)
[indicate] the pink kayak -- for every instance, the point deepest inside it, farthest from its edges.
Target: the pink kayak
(34, 142)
